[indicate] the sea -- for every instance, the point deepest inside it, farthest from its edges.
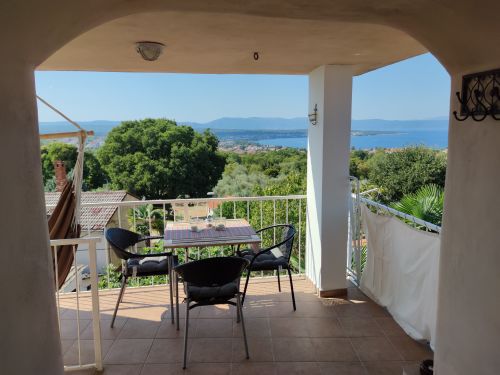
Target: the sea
(437, 139)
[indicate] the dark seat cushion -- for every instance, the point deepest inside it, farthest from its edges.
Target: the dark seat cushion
(147, 267)
(264, 262)
(212, 293)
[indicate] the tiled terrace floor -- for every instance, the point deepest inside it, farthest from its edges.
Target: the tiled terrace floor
(351, 335)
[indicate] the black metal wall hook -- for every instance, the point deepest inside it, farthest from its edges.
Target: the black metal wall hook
(480, 96)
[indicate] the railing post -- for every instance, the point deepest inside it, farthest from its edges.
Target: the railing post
(94, 289)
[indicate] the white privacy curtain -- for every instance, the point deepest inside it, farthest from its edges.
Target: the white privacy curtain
(401, 272)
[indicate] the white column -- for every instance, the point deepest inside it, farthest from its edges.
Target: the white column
(28, 324)
(330, 88)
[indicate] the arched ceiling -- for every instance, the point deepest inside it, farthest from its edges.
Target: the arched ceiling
(224, 43)
(462, 34)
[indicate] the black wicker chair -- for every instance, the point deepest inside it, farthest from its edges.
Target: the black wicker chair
(212, 281)
(138, 265)
(273, 258)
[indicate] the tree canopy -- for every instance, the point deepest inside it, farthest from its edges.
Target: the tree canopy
(156, 158)
(405, 171)
(93, 175)
(263, 172)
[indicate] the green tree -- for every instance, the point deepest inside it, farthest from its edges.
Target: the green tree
(407, 170)
(94, 176)
(238, 182)
(156, 158)
(426, 204)
(144, 218)
(57, 151)
(358, 164)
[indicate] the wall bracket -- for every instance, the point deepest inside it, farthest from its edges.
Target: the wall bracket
(480, 96)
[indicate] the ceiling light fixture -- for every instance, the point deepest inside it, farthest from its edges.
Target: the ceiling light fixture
(149, 51)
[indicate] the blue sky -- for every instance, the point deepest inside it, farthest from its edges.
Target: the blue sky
(417, 88)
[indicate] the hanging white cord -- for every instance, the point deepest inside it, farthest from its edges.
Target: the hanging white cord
(78, 177)
(78, 169)
(60, 113)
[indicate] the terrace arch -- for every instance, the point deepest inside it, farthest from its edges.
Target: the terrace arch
(459, 33)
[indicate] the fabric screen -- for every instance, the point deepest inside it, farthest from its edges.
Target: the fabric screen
(401, 272)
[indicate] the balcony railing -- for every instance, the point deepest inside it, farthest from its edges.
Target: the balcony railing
(74, 299)
(83, 303)
(260, 212)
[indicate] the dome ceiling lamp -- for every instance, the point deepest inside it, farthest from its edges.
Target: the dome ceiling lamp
(149, 51)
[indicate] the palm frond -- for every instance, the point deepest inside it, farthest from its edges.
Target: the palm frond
(426, 204)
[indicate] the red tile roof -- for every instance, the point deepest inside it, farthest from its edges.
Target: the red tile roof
(92, 218)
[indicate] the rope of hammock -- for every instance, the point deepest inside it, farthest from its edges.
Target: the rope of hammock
(81, 134)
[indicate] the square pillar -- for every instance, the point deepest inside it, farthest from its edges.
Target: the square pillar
(330, 89)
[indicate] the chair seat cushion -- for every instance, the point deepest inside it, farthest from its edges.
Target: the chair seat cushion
(212, 293)
(265, 262)
(147, 266)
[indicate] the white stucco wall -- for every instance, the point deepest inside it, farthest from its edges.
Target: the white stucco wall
(28, 313)
(468, 326)
(330, 88)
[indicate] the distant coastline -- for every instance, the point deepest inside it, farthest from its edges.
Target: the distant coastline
(272, 133)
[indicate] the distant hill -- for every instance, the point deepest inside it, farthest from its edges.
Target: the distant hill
(102, 127)
(252, 123)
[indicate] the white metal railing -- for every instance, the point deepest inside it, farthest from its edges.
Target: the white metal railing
(70, 302)
(409, 218)
(261, 211)
(355, 249)
(354, 242)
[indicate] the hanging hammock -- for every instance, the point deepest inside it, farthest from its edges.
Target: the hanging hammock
(64, 223)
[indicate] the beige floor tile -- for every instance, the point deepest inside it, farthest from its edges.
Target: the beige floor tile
(288, 327)
(73, 313)
(375, 349)
(167, 330)
(107, 332)
(193, 313)
(254, 369)
(210, 350)
(192, 369)
(297, 368)
(361, 327)
(333, 350)
(412, 368)
(260, 350)
(145, 312)
(339, 368)
(293, 349)
(255, 327)
(87, 353)
(166, 351)
(85, 372)
(324, 327)
(360, 310)
(410, 349)
(324, 335)
(213, 327)
(217, 311)
(121, 370)
(128, 351)
(390, 327)
(384, 367)
(69, 328)
(139, 329)
(355, 295)
(257, 309)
